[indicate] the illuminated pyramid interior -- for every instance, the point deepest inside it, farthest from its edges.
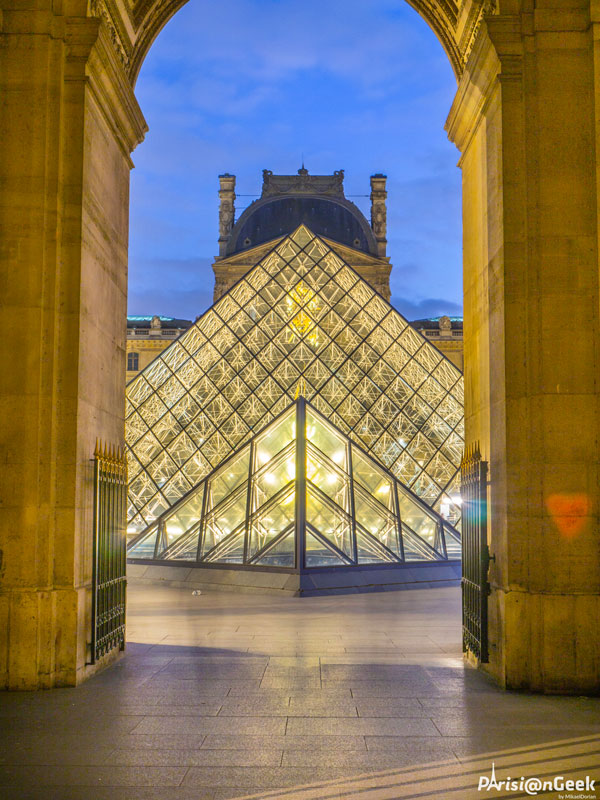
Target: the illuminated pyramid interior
(343, 510)
(299, 323)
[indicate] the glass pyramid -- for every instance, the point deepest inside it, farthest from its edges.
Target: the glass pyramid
(300, 494)
(299, 322)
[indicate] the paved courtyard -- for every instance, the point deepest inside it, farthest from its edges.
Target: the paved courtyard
(235, 695)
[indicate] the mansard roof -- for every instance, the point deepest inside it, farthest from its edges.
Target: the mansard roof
(317, 201)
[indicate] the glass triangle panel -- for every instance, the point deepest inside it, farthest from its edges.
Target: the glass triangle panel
(230, 550)
(144, 547)
(417, 549)
(453, 544)
(369, 550)
(185, 548)
(271, 520)
(329, 520)
(319, 555)
(227, 517)
(281, 554)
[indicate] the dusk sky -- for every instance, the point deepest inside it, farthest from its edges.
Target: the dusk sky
(243, 85)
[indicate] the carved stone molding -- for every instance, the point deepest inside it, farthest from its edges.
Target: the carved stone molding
(107, 12)
(303, 183)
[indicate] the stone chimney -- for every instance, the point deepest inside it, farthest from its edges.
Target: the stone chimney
(379, 212)
(226, 210)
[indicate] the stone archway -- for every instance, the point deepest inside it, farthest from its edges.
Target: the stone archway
(525, 121)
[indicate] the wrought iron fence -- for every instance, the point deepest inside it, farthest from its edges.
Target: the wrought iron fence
(109, 559)
(475, 553)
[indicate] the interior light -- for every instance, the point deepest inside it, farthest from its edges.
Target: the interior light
(384, 488)
(269, 478)
(338, 457)
(456, 499)
(174, 529)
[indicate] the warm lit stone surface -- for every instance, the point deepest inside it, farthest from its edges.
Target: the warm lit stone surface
(222, 696)
(525, 121)
(522, 121)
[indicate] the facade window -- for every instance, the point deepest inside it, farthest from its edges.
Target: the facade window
(133, 362)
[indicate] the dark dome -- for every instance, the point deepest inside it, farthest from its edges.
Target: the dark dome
(269, 219)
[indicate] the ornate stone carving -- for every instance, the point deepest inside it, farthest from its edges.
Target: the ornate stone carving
(118, 37)
(445, 326)
(477, 12)
(303, 183)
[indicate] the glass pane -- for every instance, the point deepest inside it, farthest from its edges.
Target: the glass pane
(368, 550)
(225, 519)
(282, 554)
(228, 478)
(144, 548)
(365, 471)
(275, 439)
(376, 520)
(331, 481)
(416, 517)
(272, 520)
(187, 514)
(326, 439)
(184, 548)
(229, 551)
(415, 548)
(176, 488)
(329, 521)
(135, 525)
(453, 546)
(273, 477)
(318, 555)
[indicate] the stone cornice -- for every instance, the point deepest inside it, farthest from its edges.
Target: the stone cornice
(474, 91)
(120, 33)
(110, 85)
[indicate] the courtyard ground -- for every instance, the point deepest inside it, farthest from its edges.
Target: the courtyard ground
(233, 695)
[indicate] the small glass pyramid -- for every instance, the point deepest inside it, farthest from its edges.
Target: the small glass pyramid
(299, 495)
(299, 322)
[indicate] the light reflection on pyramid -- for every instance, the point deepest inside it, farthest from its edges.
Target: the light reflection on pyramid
(300, 320)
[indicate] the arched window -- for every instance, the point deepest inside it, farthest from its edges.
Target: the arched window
(133, 362)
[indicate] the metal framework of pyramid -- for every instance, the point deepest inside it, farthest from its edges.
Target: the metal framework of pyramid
(299, 495)
(299, 322)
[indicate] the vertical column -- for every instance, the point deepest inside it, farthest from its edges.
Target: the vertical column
(226, 210)
(523, 119)
(379, 212)
(68, 125)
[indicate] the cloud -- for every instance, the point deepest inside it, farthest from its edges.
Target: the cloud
(172, 287)
(242, 85)
(170, 302)
(423, 309)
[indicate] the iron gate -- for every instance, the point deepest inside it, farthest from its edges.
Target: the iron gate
(475, 553)
(108, 566)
